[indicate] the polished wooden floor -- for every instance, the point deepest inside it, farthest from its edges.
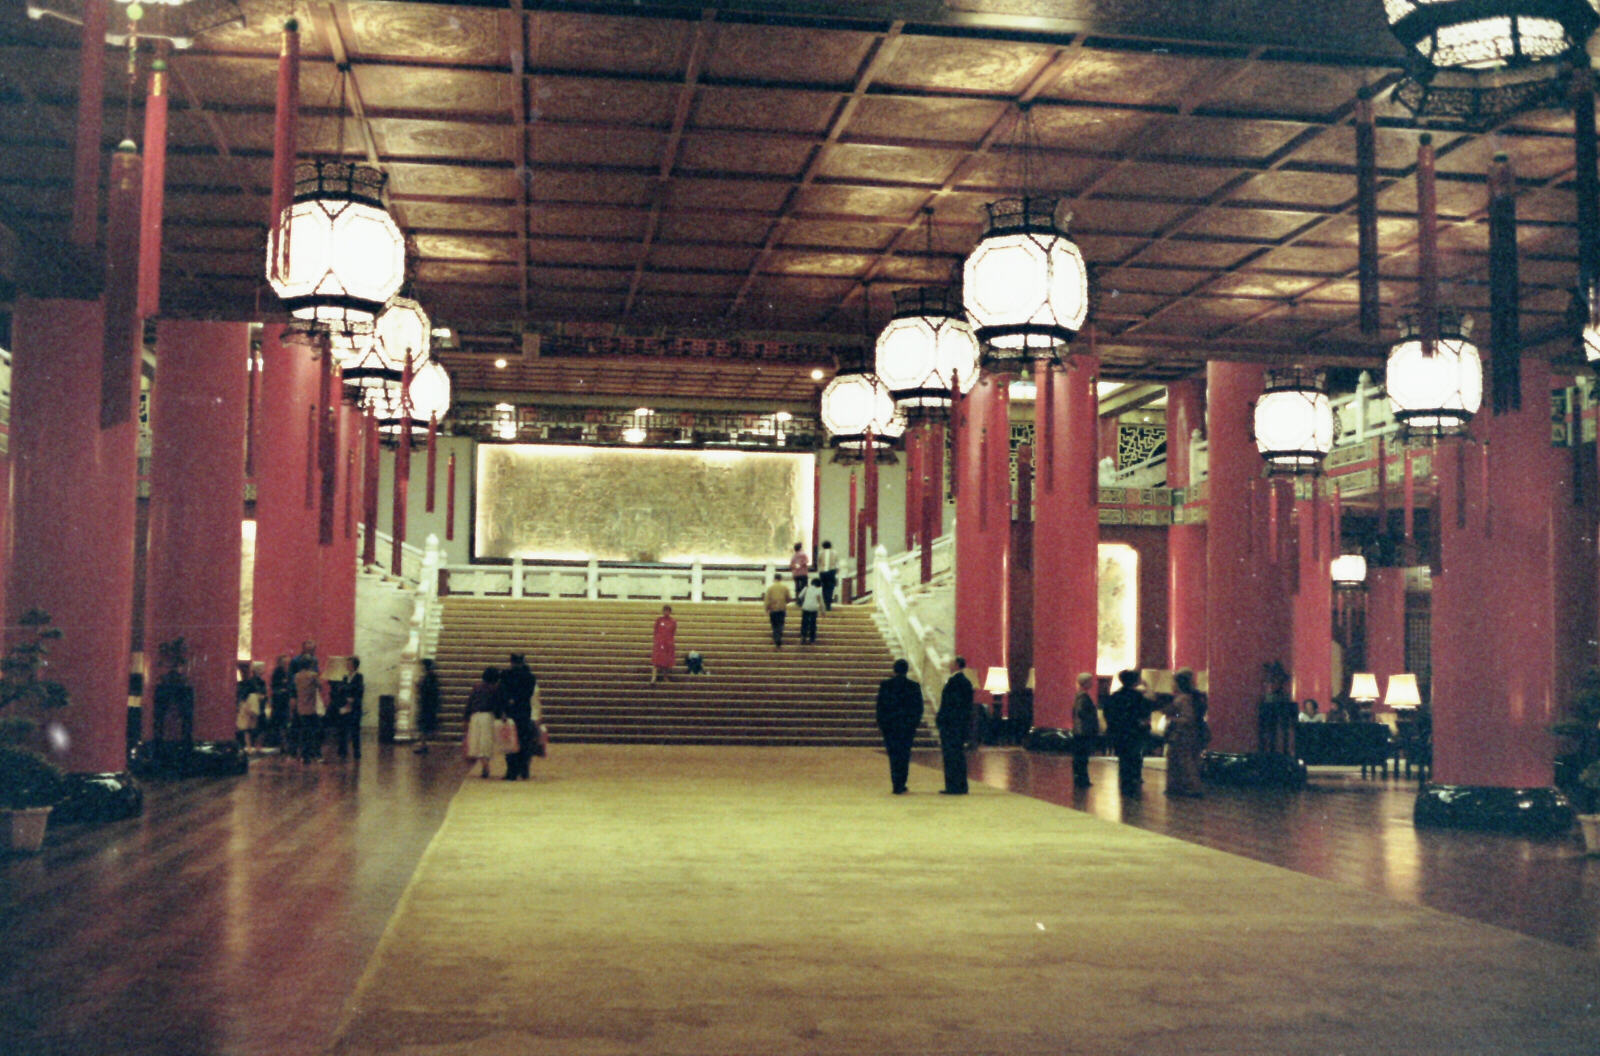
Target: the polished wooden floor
(236, 915)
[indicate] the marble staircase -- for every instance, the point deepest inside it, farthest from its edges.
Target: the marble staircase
(593, 663)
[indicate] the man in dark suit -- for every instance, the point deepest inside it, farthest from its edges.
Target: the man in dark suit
(517, 685)
(1127, 713)
(899, 714)
(955, 726)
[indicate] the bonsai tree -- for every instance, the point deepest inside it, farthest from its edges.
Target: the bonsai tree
(27, 779)
(1581, 728)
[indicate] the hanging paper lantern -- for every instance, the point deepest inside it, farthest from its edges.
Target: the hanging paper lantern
(855, 403)
(401, 330)
(927, 346)
(429, 397)
(1025, 286)
(1435, 395)
(340, 255)
(1473, 63)
(1294, 422)
(1480, 35)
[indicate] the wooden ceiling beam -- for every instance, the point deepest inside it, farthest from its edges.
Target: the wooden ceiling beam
(698, 48)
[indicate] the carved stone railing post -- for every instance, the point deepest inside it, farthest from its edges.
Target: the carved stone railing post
(516, 577)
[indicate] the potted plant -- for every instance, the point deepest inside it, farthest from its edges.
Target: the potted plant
(29, 783)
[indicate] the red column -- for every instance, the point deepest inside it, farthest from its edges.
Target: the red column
(1312, 617)
(1019, 584)
(1066, 538)
(1386, 623)
(287, 581)
(73, 519)
(1498, 668)
(1186, 543)
(336, 632)
(197, 420)
(869, 496)
(1247, 602)
(983, 526)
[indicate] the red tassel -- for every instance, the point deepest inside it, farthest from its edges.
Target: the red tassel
(350, 493)
(433, 440)
(1410, 498)
(153, 198)
(124, 332)
(1383, 490)
(369, 545)
(1272, 521)
(91, 116)
(1338, 521)
(852, 542)
(328, 448)
(450, 498)
(402, 473)
(1461, 484)
(869, 503)
(311, 455)
(956, 413)
(285, 131)
(1488, 507)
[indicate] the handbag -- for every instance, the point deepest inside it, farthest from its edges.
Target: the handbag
(541, 740)
(505, 735)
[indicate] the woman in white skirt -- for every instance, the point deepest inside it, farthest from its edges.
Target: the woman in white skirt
(483, 708)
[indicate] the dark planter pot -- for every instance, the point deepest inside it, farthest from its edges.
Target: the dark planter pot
(1252, 769)
(1530, 811)
(96, 798)
(177, 759)
(1048, 739)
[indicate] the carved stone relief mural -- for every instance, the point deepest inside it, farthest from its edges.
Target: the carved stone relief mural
(572, 502)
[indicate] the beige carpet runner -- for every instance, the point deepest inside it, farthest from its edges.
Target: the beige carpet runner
(706, 901)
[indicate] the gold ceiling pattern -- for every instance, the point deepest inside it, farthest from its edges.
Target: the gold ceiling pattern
(763, 171)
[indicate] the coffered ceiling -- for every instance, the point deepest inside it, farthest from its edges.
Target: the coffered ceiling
(654, 198)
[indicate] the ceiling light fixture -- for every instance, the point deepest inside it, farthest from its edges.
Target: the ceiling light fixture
(1472, 63)
(1294, 423)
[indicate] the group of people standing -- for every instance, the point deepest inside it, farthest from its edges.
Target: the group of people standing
(296, 709)
(813, 596)
(1127, 714)
(505, 719)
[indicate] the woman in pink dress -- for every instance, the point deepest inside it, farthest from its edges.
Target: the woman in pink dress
(664, 650)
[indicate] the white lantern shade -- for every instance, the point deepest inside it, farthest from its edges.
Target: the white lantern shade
(1591, 344)
(1294, 423)
(1363, 686)
(338, 255)
(430, 392)
(1463, 35)
(1025, 284)
(926, 349)
(855, 403)
(1435, 394)
(403, 330)
(1348, 570)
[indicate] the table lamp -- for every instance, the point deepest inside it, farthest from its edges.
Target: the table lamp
(1403, 692)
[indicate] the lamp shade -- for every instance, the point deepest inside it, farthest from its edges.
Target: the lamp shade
(927, 347)
(1403, 692)
(1435, 395)
(1294, 423)
(1348, 571)
(339, 256)
(1475, 35)
(1031, 684)
(1363, 686)
(855, 403)
(1025, 285)
(997, 681)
